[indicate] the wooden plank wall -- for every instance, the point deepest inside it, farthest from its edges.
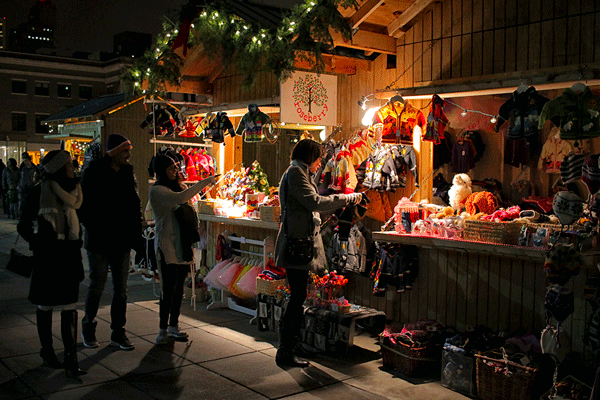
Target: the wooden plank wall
(228, 88)
(463, 290)
(472, 38)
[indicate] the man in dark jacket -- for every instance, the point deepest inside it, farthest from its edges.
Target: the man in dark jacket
(112, 217)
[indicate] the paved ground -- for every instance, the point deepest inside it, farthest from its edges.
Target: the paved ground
(226, 357)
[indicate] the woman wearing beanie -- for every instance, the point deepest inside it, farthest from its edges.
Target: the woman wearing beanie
(171, 249)
(300, 206)
(56, 248)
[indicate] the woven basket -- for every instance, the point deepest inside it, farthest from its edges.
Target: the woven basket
(411, 361)
(492, 232)
(523, 383)
(269, 288)
(270, 213)
(207, 207)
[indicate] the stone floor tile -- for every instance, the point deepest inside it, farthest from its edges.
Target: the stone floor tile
(267, 378)
(336, 391)
(46, 380)
(141, 321)
(145, 358)
(234, 335)
(107, 390)
(12, 387)
(191, 382)
(8, 320)
(19, 340)
(203, 346)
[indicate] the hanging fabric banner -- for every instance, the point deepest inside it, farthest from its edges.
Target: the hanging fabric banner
(308, 98)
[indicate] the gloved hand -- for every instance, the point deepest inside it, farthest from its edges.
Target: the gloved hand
(354, 198)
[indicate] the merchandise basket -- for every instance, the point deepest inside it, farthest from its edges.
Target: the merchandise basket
(411, 361)
(519, 383)
(270, 213)
(269, 288)
(492, 232)
(207, 207)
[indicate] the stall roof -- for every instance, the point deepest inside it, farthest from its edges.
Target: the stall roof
(87, 109)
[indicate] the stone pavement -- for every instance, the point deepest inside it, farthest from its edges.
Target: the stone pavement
(225, 358)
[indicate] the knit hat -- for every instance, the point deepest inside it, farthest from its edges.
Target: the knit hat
(116, 144)
(55, 161)
(161, 163)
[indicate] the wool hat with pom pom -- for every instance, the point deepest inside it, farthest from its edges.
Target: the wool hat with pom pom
(116, 144)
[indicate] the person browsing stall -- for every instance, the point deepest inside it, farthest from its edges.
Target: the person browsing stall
(112, 216)
(300, 205)
(56, 249)
(173, 251)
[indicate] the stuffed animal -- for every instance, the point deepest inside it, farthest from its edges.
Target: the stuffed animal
(484, 202)
(460, 190)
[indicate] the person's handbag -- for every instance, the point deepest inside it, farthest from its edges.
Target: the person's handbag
(19, 263)
(188, 223)
(298, 250)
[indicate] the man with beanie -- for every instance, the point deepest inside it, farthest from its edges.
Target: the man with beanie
(112, 217)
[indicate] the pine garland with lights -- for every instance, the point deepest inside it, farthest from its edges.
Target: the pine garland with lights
(250, 46)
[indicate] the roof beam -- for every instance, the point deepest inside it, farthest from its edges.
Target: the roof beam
(363, 12)
(365, 40)
(413, 11)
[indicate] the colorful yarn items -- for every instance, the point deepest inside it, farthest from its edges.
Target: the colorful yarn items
(503, 214)
(481, 202)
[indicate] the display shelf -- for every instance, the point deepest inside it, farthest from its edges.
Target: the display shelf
(589, 258)
(239, 221)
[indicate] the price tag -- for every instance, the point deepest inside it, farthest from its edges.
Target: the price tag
(525, 360)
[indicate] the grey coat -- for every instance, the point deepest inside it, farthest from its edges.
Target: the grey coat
(301, 204)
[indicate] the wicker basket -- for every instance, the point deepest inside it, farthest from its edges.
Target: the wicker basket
(411, 361)
(270, 213)
(523, 383)
(269, 288)
(207, 207)
(493, 232)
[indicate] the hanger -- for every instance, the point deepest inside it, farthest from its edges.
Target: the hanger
(522, 88)
(578, 87)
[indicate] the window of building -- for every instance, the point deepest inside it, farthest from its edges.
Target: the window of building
(64, 90)
(19, 121)
(85, 92)
(39, 127)
(19, 86)
(42, 89)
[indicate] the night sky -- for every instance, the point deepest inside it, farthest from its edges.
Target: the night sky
(89, 25)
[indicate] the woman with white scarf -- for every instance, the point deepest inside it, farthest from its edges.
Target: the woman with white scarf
(56, 247)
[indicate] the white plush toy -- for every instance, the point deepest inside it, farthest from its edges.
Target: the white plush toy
(460, 190)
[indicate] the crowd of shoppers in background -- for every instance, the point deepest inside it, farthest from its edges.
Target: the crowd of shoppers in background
(17, 181)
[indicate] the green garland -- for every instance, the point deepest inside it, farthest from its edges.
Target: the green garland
(248, 45)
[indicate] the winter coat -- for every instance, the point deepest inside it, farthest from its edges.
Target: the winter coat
(58, 264)
(164, 201)
(300, 204)
(27, 178)
(252, 124)
(577, 114)
(111, 211)
(10, 178)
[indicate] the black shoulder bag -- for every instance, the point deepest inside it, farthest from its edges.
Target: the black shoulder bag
(298, 250)
(19, 263)
(188, 227)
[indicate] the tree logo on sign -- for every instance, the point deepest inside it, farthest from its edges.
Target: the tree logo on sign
(309, 90)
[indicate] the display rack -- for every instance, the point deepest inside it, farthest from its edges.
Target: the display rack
(267, 247)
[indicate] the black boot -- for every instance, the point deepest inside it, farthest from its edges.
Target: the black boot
(285, 356)
(68, 329)
(44, 328)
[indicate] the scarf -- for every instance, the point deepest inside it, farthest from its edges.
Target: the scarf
(57, 205)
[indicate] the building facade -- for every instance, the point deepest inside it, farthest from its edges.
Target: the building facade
(34, 87)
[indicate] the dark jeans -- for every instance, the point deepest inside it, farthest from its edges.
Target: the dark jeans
(169, 307)
(294, 313)
(119, 267)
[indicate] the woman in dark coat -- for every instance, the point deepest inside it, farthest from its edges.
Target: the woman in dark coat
(56, 248)
(300, 205)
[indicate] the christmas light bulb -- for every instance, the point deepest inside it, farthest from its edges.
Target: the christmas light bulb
(464, 113)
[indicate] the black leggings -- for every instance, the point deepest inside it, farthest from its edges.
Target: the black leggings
(294, 313)
(172, 277)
